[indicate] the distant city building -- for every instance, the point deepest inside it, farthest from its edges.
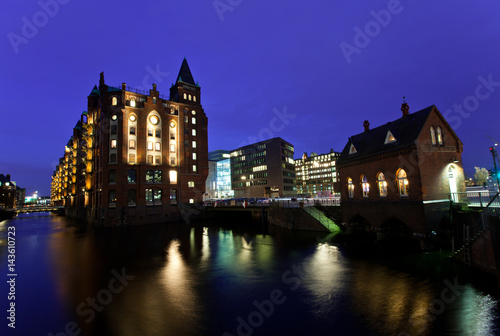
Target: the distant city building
(135, 156)
(8, 194)
(218, 183)
(398, 179)
(317, 174)
(263, 169)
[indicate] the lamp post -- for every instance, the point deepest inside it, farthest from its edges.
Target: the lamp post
(243, 178)
(494, 153)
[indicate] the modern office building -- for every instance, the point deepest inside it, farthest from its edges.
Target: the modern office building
(264, 169)
(218, 183)
(317, 174)
(135, 156)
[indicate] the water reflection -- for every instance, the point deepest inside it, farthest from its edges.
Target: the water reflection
(198, 281)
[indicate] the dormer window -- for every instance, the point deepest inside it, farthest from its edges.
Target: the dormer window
(389, 138)
(352, 150)
(439, 136)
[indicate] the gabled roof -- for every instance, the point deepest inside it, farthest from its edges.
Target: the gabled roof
(185, 75)
(95, 91)
(405, 129)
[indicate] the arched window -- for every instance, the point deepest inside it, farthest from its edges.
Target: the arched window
(114, 101)
(433, 136)
(132, 102)
(382, 185)
(350, 187)
(403, 184)
(185, 96)
(154, 100)
(194, 98)
(439, 136)
(189, 97)
(365, 186)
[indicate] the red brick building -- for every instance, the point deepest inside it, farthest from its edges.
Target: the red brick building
(398, 179)
(134, 157)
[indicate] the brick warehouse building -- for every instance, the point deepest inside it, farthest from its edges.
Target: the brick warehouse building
(135, 157)
(398, 179)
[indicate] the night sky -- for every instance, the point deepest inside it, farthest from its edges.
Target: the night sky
(309, 72)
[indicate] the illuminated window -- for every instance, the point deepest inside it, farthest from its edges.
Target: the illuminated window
(132, 130)
(114, 117)
(193, 112)
(191, 200)
(191, 184)
(193, 120)
(157, 146)
(194, 156)
(439, 136)
(365, 186)
(403, 184)
(131, 144)
(350, 187)
(194, 144)
(154, 120)
(131, 176)
(172, 148)
(153, 176)
(150, 145)
(173, 176)
(194, 98)
(131, 158)
(185, 95)
(132, 102)
(131, 196)
(194, 168)
(113, 143)
(189, 97)
(193, 132)
(186, 119)
(114, 101)
(172, 135)
(132, 118)
(149, 159)
(112, 176)
(433, 136)
(150, 132)
(382, 185)
(153, 196)
(154, 100)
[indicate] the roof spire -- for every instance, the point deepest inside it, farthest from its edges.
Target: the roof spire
(185, 75)
(405, 108)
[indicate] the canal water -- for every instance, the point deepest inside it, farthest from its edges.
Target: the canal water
(229, 279)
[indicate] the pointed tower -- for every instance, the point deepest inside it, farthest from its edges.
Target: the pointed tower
(185, 89)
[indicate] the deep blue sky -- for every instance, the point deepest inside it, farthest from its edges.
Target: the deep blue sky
(252, 58)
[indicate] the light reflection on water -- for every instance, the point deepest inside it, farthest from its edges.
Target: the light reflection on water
(199, 281)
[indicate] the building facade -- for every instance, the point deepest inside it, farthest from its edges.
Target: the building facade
(8, 192)
(134, 157)
(264, 169)
(218, 183)
(317, 174)
(398, 179)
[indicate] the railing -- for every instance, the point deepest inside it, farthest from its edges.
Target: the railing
(136, 90)
(480, 199)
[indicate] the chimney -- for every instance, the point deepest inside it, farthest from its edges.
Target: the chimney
(8, 177)
(405, 108)
(366, 125)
